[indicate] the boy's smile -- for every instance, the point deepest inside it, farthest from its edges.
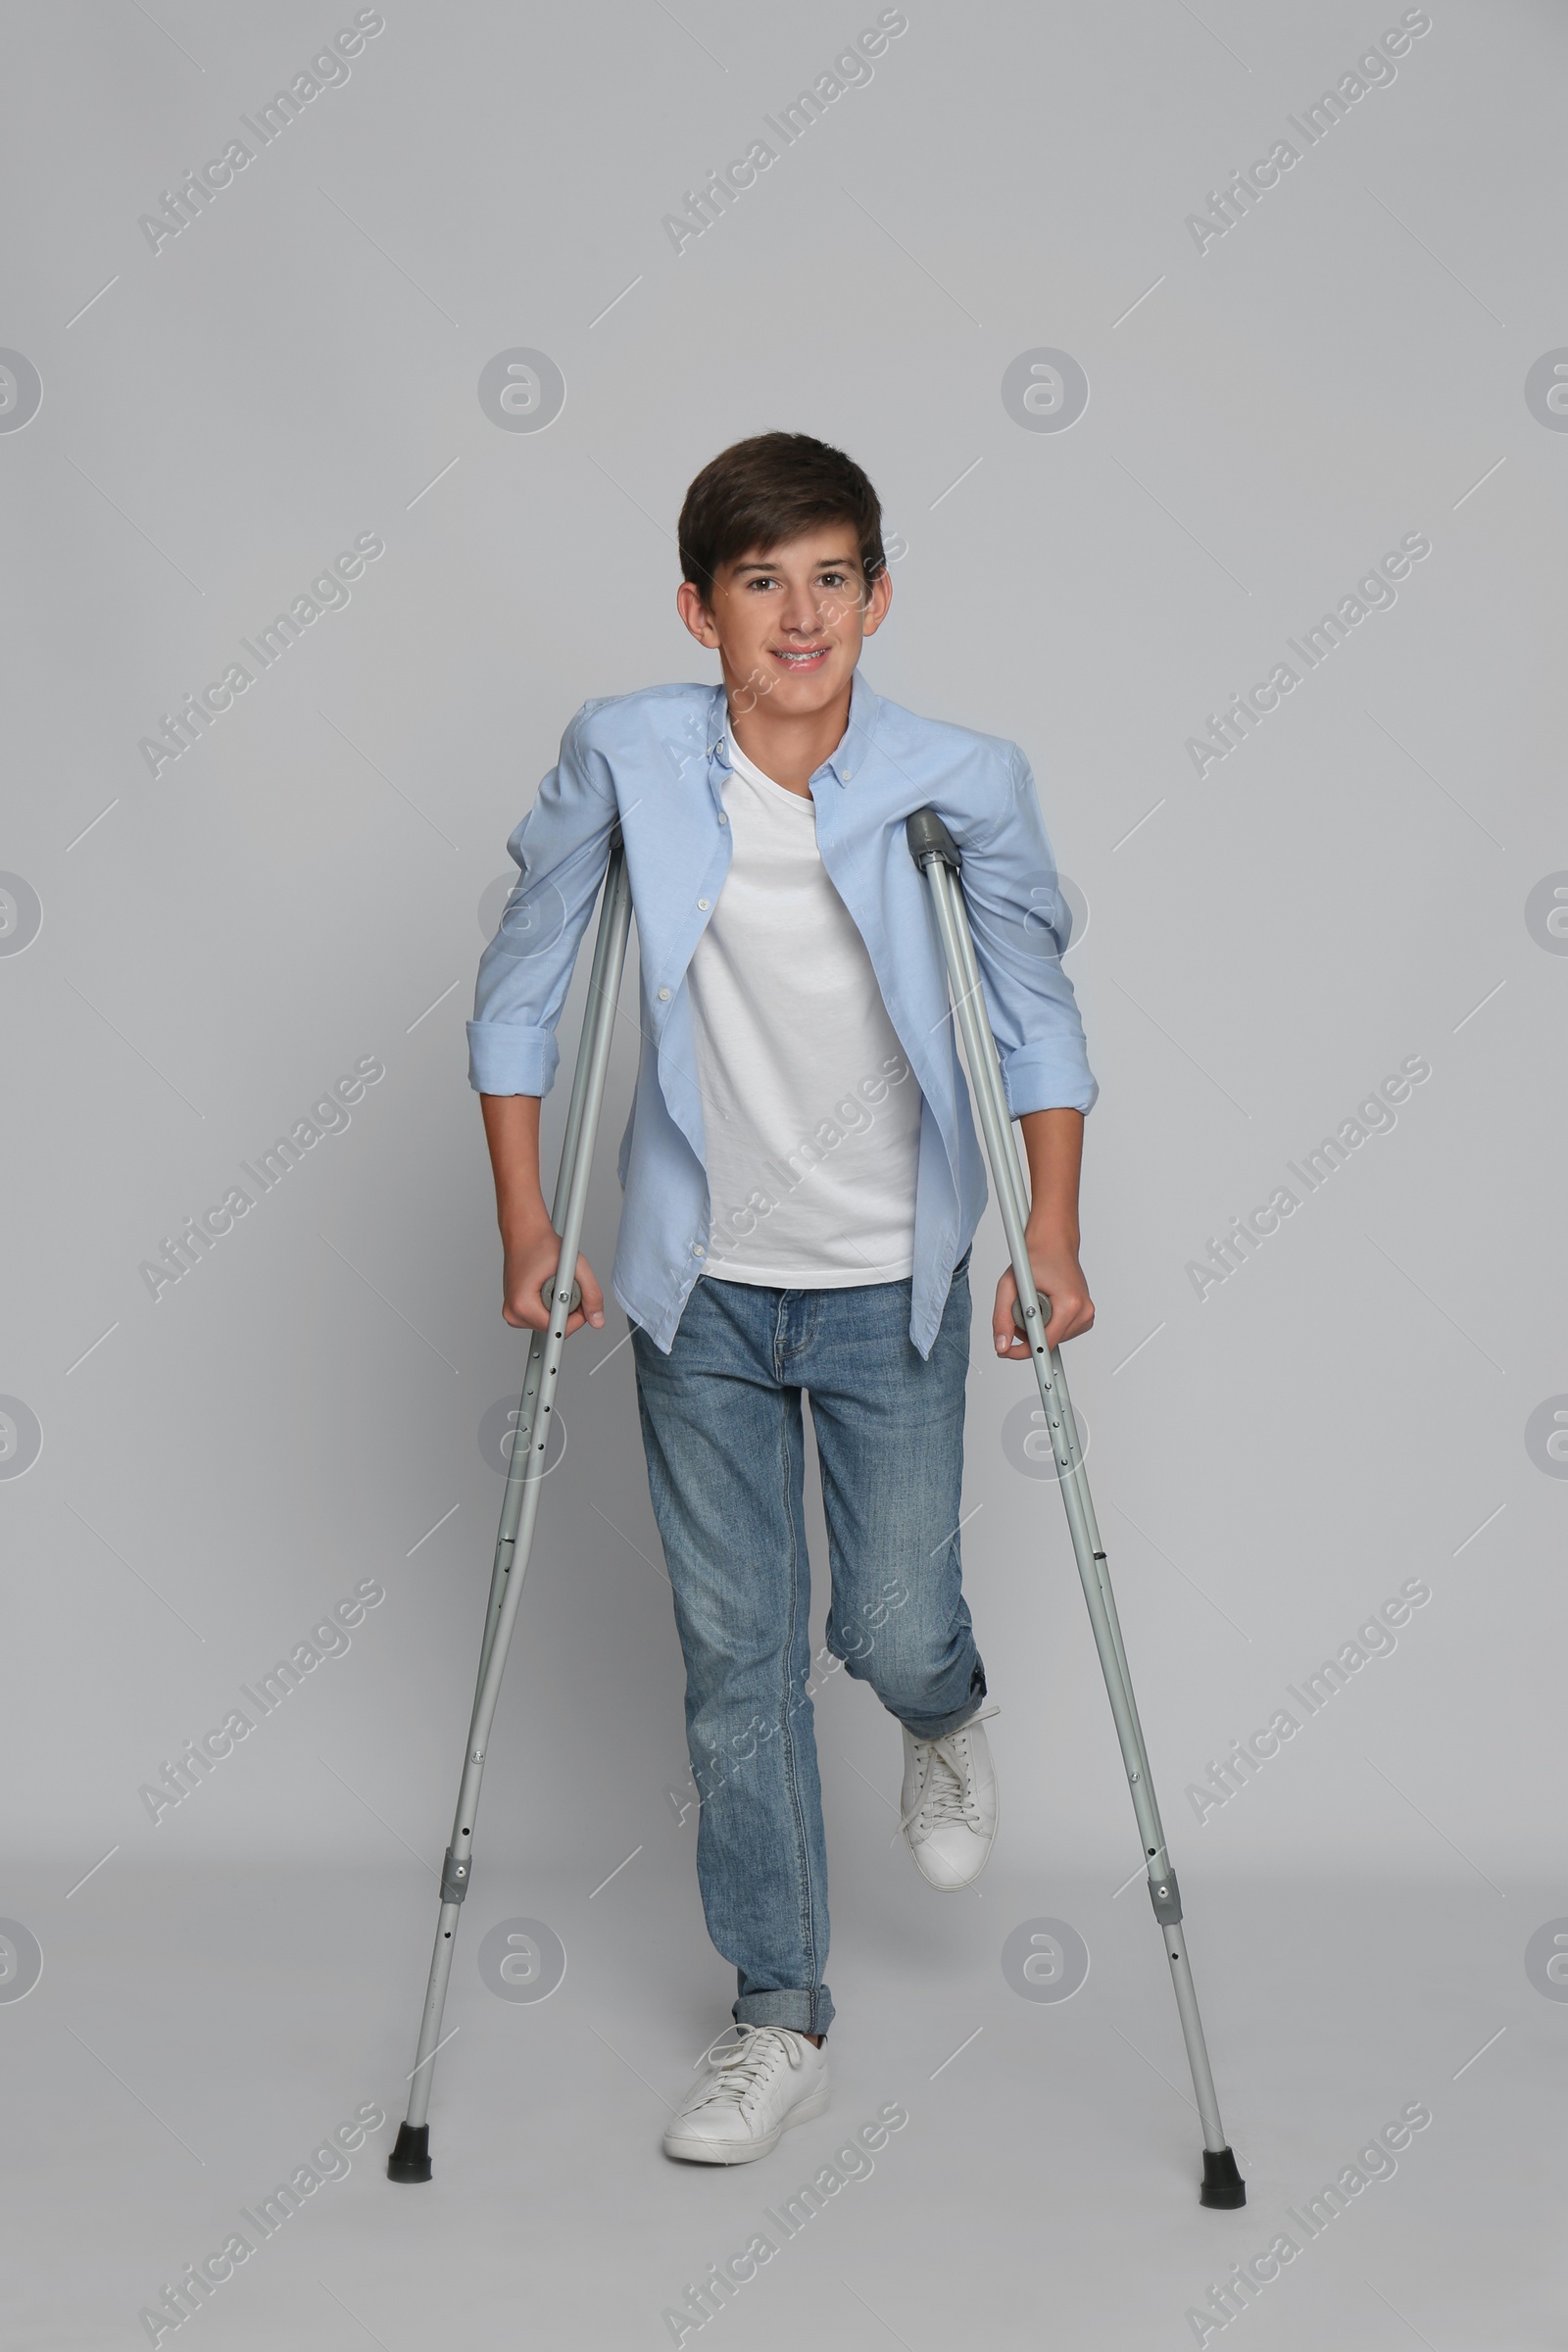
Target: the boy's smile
(788, 624)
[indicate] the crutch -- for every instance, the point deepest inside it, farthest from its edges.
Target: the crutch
(409, 2159)
(936, 854)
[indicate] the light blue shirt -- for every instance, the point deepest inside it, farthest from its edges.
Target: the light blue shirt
(655, 762)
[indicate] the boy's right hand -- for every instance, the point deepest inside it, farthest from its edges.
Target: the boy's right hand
(530, 1260)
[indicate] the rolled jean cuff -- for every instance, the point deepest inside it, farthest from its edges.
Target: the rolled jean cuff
(802, 2012)
(937, 1726)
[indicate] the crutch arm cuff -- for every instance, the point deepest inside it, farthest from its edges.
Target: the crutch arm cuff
(928, 838)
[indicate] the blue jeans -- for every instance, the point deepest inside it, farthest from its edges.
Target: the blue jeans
(722, 1430)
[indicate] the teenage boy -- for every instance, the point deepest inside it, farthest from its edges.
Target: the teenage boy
(803, 1183)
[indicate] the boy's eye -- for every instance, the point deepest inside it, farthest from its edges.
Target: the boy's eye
(826, 579)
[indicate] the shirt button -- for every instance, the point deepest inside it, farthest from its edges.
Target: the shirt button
(847, 774)
(698, 1250)
(722, 819)
(663, 993)
(703, 905)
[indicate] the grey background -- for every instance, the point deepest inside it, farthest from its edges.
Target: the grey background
(301, 889)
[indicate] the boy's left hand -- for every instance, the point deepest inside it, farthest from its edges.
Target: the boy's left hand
(1059, 1278)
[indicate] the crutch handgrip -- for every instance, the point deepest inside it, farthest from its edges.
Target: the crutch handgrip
(546, 1292)
(928, 837)
(1017, 1310)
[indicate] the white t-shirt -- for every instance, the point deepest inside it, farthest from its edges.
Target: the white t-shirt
(811, 1111)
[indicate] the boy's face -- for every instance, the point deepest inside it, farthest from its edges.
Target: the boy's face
(788, 622)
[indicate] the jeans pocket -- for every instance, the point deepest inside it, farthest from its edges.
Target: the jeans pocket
(962, 1266)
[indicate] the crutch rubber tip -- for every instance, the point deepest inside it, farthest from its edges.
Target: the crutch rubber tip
(1223, 2185)
(409, 2159)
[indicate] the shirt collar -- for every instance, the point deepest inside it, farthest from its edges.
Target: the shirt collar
(852, 753)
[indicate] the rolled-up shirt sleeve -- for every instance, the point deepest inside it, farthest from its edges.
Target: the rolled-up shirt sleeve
(1021, 925)
(560, 850)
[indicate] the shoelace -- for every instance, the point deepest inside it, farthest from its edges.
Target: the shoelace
(944, 1780)
(744, 2066)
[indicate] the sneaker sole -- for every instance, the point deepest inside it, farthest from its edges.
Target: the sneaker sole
(711, 2151)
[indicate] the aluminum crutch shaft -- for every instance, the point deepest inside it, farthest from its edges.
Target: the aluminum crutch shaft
(409, 2159)
(936, 854)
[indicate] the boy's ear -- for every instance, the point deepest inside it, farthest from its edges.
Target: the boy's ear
(878, 596)
(693, 609)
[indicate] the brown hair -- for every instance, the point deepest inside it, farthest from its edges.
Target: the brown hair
(760, 492)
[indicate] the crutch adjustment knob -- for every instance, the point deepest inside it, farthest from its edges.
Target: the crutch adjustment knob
(1223, 2185)
(1167, 1896)
(546, 1292)
(409, 2159)
(1020, 1313)
(454, 1876)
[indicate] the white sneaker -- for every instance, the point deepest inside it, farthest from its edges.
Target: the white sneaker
(754, 2089)
(949, 1805)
